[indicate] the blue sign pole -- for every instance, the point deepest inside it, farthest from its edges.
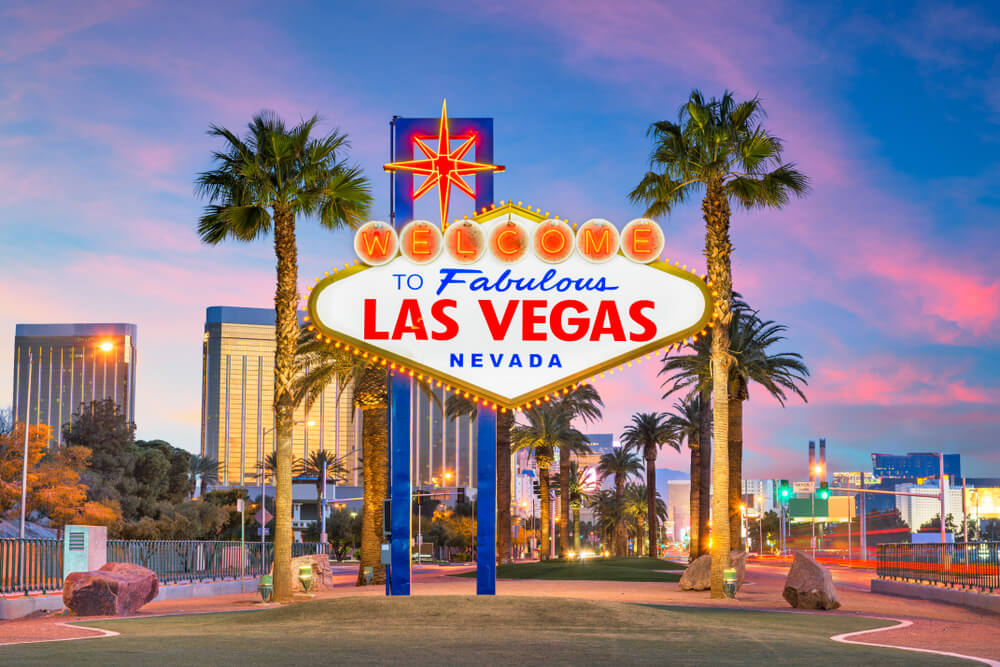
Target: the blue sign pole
(486, 502)
(399, 575)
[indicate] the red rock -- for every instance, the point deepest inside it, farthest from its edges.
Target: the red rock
(117, 589)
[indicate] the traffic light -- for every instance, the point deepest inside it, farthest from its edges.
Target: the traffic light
(784, 490)
(460, 496)
(823, 492)
(535, 488)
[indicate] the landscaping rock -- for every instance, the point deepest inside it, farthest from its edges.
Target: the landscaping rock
(809, 585)
(698, 575)
(117, 589)
(322, 573)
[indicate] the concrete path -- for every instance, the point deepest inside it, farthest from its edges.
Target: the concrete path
(934, 625)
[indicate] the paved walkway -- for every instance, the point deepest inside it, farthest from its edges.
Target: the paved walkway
(934, 625)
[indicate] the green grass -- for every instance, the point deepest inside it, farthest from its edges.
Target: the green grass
(456, 629)
(594, 569)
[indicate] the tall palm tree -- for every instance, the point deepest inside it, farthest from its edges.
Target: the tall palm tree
(206, 470)
(580, 488)
(457, 406)
(319, 462)
(637, 506)
(620, 463)
(583, 403)
(548, 427)
(262, 183)
(647, 433)
(720, 146)
(610, 514)
(686, 421)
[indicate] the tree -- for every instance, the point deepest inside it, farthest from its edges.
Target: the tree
(110, 473)
(718, 145)
(320, 462)
(457, 406)
(642, 513)
(548, 427)
(686, 422)
(179, 483)
(647, 433)
(582, 403)
(750, 340)
(206, 470)
(620, 463)
(933, 525)
(262, 183)
(580, 488)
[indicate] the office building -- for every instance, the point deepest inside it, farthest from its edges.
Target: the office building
(916, 511)
(237, 424)
(70, 364)
(915, 466)
(760, 494)
(678, 503)
(444, 450)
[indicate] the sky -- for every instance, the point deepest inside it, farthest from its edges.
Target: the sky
(885, 275)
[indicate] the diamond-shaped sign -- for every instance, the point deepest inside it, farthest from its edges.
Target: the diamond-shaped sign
(509, 332)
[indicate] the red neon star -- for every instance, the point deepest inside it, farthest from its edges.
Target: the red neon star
(444, 167)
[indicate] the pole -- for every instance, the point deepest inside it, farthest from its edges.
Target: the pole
(863, 537)
(965, 516)
(813, 503)
(322, 509)
(941, 474)
(243, 546)
(24, 465)
(420, 525)
(848, 532)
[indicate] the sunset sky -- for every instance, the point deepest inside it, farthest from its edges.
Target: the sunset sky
(886, 275)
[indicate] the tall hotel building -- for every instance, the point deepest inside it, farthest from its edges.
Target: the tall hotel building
(70, 364)
(238, 414)
(237, 417)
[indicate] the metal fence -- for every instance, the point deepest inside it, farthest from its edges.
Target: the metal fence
(30, 564)
(179, 561)
(966, 565)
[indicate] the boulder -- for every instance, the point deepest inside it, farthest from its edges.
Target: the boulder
(698, 575)
(322, 573)
(809, 585)
(117, 589)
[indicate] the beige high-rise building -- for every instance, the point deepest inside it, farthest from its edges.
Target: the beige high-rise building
(237, 422)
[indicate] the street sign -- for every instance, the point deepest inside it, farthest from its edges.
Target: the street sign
(507, 330)
(803, 487)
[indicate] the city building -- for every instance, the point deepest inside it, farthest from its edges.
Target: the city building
(760, 494)
(915, 466)
(444, 450)
(237, 422)
(852, 480)
(916, 511)
(817, 464)
(678, 503)
(70, 364)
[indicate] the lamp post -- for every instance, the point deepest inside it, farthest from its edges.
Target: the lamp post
(354, 515)
(817, 471)
(263, 484)
(760, 522)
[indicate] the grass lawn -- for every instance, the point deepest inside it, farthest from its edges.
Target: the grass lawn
(606, 569)
(457, 629)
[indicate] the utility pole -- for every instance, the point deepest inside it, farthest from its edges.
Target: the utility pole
(941, 473)
(322, 504)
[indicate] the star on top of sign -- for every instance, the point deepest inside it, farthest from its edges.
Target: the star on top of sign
(444, 167)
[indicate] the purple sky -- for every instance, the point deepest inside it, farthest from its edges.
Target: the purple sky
(886, 275)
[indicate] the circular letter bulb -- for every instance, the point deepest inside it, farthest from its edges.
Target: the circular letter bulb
(553, 241)
(376, 243)
(420, 241)
(508, 241)
(642, 240)
(597, 240)
(464, 241)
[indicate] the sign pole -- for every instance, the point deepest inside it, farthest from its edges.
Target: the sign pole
(399, 425)
(486, 503)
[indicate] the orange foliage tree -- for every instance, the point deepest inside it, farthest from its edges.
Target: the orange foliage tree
(54, 488)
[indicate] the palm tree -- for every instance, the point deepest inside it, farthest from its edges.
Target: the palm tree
(751, 360)
(260, 184)
(579, 490)
(637, 506)
(718, 145)
(206, 470)
(647, 433)
(457, 406)
(583, 403)
(548, 427)
(620, 463)
(322, 461)
(686, 421)
(610, 515)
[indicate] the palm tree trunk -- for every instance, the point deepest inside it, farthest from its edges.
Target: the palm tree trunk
(718, 250)
(545, 519)
(576, 530)
(705, 493)
(563, 501)
(651, 505)
(286, 332)
(621, 540)
(505, 421)
(373, 400)
(736, 473)
(694, 503)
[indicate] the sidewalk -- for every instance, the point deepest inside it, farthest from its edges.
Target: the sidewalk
(935, 626)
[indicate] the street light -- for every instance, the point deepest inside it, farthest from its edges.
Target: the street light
(263, 485)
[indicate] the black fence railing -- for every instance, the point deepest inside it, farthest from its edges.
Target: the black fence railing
(965, 565)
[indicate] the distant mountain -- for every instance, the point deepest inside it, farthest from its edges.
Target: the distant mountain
(664, 475)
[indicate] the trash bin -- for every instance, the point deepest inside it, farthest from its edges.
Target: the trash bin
(265, 587)
(729, 581)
